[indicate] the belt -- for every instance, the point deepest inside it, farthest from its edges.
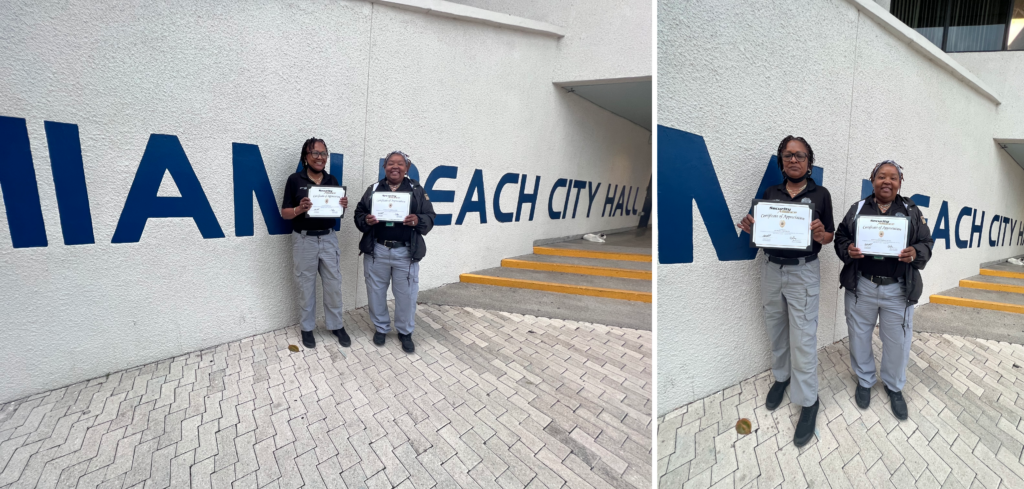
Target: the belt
(314, 232)
(879, 279)
(393, 244)
(792, 261)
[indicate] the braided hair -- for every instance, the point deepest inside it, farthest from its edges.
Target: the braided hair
(810, 152)
(307, 147)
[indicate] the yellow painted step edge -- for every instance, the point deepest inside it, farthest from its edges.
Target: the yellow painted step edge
(628, 295)
(973, 284)
(603, 255)
(1000, 273)
(959, 301)
(577, 269)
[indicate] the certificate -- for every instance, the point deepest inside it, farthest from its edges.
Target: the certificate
(782, 225)
(391, 206)
(326, 201)
(882, 235)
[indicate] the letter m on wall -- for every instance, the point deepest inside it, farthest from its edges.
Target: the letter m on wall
(686, 175)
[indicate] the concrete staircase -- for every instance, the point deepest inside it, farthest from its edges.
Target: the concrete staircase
(998, 287)
(574, 269)
(606, 283)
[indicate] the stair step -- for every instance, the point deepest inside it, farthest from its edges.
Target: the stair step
(996, 286)
(996, 300)
(595, 286)
(1001, 273)
(585, 253)
(576, 269)
(976, 304)
(560, 288)
(591, 262)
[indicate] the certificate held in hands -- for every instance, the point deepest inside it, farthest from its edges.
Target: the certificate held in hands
(391, 206)
(882, 235)
(782, 225)
(326, 201)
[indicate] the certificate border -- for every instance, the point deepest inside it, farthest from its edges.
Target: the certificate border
(328, 186)
(856, 235)
(754, 202)
(390, 192)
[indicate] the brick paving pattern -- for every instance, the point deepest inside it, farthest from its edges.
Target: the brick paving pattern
(489, 400)
(966, 427)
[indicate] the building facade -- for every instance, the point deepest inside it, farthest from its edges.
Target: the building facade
(144, 149)
(736, 77)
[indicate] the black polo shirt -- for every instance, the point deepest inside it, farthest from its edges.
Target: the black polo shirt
(397, 231)
(814, 194)
(295, 190)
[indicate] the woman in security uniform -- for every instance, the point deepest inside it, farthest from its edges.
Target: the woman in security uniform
(314, 244)
(790, 290)
(392, 251)
(882, 289)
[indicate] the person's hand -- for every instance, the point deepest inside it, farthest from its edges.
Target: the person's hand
(304, 205)
(818, 232)
(855, 251)
(371, 219)
(908, 255)
(411, 220)
(344, 202)
(747, 223)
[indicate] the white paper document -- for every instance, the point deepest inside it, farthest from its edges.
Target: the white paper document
(783, 225)
(326, 201)
(391, 206)
(882, 235)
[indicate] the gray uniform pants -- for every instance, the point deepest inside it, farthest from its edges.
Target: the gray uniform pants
(886, 305)
(311, 254)
(790, 296)
(394, 266)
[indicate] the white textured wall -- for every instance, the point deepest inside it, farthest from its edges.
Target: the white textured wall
(859, 96)
(1004, 73)
(364, 77)
(606, 39)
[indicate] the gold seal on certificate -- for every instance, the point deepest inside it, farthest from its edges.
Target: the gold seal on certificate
(391, 206)
(782, 225)
(326, 201)
(882, 235)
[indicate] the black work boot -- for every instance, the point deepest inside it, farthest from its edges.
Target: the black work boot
(378, 338)
(343, 337)
(775, 395)
(307, 339)
(863, 396)
(899, 405)
(406, 340)
(805, 427)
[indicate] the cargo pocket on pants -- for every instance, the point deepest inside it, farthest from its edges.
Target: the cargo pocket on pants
(813, 299)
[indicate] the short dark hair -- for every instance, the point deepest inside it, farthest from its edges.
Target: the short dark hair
(810, 152)
(307, 147)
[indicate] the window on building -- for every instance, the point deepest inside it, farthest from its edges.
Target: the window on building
(1015, 37)
(965, 25)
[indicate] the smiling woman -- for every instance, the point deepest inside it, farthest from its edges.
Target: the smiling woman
(790, 286)
(883, 288)
(314, 244)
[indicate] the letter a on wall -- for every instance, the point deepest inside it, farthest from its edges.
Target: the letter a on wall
(164, 154)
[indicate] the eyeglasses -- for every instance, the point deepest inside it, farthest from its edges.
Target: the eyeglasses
(320, 154)
(801, 157)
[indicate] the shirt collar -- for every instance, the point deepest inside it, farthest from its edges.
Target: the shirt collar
(897, 200)
(305, 176)
(810, 186)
